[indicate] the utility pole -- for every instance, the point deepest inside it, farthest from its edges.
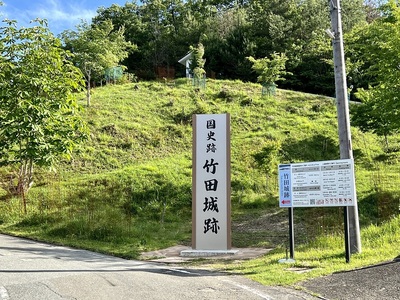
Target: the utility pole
(346, 151)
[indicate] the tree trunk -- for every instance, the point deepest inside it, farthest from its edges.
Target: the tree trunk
(88, 91)
(88, 72)
(25, 181)
(386, 142)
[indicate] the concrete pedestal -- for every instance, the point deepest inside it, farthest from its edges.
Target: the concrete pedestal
(207, 253)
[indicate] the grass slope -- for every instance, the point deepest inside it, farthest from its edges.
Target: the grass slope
(128, 189)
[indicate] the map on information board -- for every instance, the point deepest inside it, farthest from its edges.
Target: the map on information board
(311, 184)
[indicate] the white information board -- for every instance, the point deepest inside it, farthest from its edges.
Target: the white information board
(311, 184)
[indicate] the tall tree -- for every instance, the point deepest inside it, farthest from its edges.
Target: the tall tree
(96, 47)
(376, 56)
(226, 37)
(163, 21)
(127, 17)
(296, 28)
(156, 27)
(39, 120)
(269, 70)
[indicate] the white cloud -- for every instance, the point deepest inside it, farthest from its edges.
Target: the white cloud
(60, 10)
(63, 14)
(60, 14)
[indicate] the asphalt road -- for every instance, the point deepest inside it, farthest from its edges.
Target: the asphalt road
(31, 270)
(378, 282)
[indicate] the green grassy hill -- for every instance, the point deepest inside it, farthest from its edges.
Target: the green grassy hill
(128, 189)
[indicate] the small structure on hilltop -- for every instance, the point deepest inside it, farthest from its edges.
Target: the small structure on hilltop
(186, 61)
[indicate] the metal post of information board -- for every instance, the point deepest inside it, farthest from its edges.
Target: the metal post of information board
(291, 239)
(291, 233)
(346, 233)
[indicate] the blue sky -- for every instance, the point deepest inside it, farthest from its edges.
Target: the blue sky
(60, 14)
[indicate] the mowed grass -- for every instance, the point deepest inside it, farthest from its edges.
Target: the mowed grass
(324, 255)
(128, 188)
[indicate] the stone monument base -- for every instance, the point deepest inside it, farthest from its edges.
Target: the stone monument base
(207, 253)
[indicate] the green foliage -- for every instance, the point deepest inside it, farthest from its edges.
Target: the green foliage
(377, 59)
(375, 113)
(96, 48)
(231, 31)
(270, 70)
(39, 114)
(197, 65)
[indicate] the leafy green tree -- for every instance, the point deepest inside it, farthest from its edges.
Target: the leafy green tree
(228, 43)
(129, 18)
(377, 57)
(156, 30)
(39, 120)
(270, 70)
(197, 65)
(156, 27)
(376, 112)
(296, 28)
(96, 47)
